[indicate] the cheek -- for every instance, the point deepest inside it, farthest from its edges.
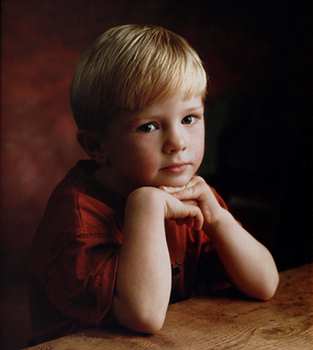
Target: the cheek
(198, 144)
(146, 160)
(199, 153)
(141, 169)
(141, 158)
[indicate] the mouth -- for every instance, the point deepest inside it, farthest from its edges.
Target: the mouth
(176, 168)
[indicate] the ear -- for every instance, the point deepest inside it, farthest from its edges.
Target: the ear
(93, 145)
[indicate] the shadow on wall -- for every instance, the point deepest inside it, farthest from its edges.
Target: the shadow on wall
(258, 153)
(263, 169)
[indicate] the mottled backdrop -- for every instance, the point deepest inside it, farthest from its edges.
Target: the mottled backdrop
(258, 56)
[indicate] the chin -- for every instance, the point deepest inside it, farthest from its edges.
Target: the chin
(178, 182)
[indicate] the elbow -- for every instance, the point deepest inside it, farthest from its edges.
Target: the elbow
(264, 289)
(269, 288)
(271, 291)
(139, 320)
(148, 325)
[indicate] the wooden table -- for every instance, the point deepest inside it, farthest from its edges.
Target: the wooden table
(223, 320)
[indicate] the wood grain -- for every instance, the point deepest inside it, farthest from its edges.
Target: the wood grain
(224, 320)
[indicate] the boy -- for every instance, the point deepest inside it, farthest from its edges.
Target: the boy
(134, 228)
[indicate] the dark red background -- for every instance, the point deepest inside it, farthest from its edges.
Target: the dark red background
(258, 56)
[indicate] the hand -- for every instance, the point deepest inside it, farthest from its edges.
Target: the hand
(198, 192)
(248, 263)
(184, 212)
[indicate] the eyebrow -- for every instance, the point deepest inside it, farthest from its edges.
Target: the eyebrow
(132, 119)
(194, 109)
(185, 111)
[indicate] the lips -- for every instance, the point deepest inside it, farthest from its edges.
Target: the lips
(176, 168)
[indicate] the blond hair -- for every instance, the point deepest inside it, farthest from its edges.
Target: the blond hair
(131, 67)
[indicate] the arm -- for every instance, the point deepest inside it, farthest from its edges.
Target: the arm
(143, 282)
(248, 263)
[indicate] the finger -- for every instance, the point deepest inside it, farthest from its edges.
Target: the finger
(169, 189)
(188, 193)
(194, 181)
(196, 215)
(191, 215)
(194, 190)
(191, 202)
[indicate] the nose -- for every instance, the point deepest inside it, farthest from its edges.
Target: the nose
(174, 141)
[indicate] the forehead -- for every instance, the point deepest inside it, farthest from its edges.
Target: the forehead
(171, 106)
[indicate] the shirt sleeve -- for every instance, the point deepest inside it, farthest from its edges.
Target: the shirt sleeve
(75, 257)
(80, 282)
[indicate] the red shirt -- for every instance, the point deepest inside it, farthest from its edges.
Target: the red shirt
(76, 250)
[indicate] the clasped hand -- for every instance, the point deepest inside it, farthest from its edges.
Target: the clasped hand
(195, 204)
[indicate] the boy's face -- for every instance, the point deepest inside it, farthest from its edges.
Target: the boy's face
(162, 144)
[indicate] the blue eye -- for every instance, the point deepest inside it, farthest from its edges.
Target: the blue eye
(146, 128)
(189, 119)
